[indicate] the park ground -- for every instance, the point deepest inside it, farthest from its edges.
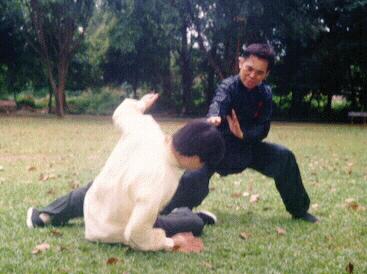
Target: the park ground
(42, 157)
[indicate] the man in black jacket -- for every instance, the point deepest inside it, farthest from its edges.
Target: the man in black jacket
(241, 109)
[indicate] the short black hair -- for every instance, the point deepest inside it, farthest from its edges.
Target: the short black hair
(263, 51)
(200, 138)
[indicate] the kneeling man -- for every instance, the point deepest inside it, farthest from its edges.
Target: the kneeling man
(141, 175)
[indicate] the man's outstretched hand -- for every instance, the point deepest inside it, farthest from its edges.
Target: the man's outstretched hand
(214, 120)
(234, 125)
(186, 242)
(149, 100)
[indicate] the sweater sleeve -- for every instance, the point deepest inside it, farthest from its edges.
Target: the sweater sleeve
(139, 231)
(127, 114)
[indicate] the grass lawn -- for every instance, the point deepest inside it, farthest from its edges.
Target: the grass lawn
(42, 158)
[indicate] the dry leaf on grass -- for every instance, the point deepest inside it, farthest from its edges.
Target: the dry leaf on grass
(56, 233)
(51, 192)
(245, 235)
(31, 168)
(245, 194)
(352, 204)
(74, 184)
(349, 268)
(236, 195)
(43, 177)
(254, 198)
(281, 231)
(207, 265)
(112, 260)
(315, 206)
(40, 248)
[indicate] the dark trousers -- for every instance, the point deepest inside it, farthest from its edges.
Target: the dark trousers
(71, 206)
(272, 160)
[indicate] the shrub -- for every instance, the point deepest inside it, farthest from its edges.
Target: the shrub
(101, 101)
(26, 100)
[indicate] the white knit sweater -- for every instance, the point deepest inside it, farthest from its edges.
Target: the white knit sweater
(138, 180)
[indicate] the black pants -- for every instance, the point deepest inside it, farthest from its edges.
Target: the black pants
(71, 206)
(272, 160)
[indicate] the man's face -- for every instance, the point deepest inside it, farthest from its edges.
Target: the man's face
(253, 71)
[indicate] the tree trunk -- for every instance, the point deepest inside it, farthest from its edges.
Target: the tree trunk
(210, 88)
(49, 99)
(186, 71)
(296, 104)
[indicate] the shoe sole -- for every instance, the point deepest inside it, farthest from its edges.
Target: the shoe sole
(29, 218)
(210, 215)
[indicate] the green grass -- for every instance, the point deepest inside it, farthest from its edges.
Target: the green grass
(71, 151)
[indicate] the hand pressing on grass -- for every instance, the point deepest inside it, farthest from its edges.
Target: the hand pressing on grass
(186, 243)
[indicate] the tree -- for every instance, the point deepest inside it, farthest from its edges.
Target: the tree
(55, 30)
(18, 64)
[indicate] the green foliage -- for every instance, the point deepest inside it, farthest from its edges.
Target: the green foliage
(26, 101)
(101, 101)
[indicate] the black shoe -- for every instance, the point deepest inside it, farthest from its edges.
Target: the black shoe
(33, 218)
(308, 218)
(207, 217)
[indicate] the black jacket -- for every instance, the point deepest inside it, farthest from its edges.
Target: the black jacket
(253, 109)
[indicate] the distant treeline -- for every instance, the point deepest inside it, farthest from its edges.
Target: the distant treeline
(183, 48)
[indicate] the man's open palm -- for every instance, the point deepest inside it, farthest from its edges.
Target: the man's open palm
(234, 125)
(186, 242)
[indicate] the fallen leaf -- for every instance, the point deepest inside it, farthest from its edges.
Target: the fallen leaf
(349, 268)
(281, 231)
(43, 177)
(245, 194)
(236, 195)
(112, 261)
(40, 248)
(207, 265)
(315, 206)
(245, 235)
(74, 184)
(352, 204)
(31, 168)
(51, 192)
(56, 233)
(254, 198)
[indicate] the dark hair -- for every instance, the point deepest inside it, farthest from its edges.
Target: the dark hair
(263, 51)
(202, 139)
